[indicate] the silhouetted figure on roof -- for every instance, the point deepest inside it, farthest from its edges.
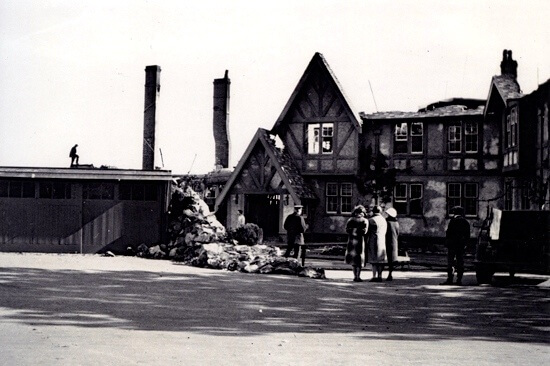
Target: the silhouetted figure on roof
(74, 156)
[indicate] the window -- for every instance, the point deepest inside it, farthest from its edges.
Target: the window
(512, 128)
(508, 196)
(54, 190)
(464, 195)
(407, 198)
(339, 198)
(470, 137)
(345, 197)
(98, 191)
(417, 133)
(320, 138)
(137, 192)
(405, 142)
(462, 137)
(16, 189)
(455, 138)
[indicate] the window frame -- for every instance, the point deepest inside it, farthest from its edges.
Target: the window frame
(338, 198)
(406, 137)
(403, 202)
(318, 135)
(463, 198)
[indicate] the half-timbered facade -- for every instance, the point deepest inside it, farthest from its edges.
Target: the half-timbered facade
(473, 153)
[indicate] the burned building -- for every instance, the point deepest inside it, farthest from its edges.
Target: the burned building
(473, 153)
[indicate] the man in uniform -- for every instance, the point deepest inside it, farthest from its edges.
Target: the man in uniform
(295, 226)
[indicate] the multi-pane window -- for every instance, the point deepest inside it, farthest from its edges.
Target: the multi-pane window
(462, 137)
(470, 137)
(407, 198)
(16, 189)
(320, 138)
(512, 128)
(408, 138)
(464, 195)
(98, 191)
(455, 138)
(339, 197)
(55, 190)
(137, 191)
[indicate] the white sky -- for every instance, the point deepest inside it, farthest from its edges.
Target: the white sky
(73, 71)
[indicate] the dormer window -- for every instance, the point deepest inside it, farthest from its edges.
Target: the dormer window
(320, 138)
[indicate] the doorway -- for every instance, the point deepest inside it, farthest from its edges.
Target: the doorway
(263, 210)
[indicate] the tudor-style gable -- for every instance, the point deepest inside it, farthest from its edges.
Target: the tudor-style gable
(318, 126)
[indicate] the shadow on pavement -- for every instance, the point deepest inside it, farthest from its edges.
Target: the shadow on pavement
(222, 303)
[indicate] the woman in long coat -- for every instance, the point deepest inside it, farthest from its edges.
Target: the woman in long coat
(392, 236)
(377, 243)
(356, 227)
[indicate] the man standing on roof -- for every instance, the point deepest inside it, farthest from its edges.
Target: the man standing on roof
(295, 226)
(73, 155)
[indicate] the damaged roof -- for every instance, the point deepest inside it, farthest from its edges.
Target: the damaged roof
(297, 187)
(446, 111)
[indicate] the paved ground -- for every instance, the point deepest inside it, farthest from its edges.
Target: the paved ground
(93, 310)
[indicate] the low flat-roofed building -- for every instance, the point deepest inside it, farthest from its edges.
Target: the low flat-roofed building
(66, 210)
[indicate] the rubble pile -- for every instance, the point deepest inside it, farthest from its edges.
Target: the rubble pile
(199, 239)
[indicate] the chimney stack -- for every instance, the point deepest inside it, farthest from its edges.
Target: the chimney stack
(221, 121)
(508, 66)
(152, 90)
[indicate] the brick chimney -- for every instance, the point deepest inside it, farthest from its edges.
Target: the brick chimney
(152, 90)
(221, 121)
(508, 66)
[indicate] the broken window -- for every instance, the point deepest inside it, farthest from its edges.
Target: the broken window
(407, 198)
(405, 142)
(320, 138)
(417, 134)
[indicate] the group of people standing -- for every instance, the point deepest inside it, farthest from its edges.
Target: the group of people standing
(372, 238)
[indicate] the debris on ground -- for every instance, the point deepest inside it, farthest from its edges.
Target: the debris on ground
(197, 238)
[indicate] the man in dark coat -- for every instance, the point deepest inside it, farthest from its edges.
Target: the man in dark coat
(73, 155)
(457, 236)
(295, 226)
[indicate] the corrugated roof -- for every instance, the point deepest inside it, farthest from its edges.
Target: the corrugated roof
(447, 111)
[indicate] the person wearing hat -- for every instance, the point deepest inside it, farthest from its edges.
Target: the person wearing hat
(295, 226)
(392, 236)
(356, 228)
(457, 237)
(377, 243)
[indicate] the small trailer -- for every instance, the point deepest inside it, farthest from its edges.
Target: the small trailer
(513, 242)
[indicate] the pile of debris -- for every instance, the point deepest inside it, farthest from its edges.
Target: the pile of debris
(199, 239)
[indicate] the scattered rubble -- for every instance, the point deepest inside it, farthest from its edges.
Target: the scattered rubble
(197, 238)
